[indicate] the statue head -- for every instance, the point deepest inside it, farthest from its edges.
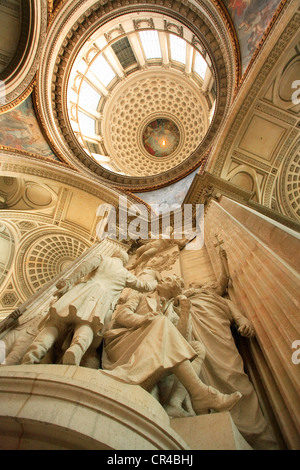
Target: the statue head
(122, 255)
(170, 286)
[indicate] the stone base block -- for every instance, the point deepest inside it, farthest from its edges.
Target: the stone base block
(215, 431)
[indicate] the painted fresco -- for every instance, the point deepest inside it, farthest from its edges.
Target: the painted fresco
(168, 198)
(251, 19)
(19, 129)
(161, 137)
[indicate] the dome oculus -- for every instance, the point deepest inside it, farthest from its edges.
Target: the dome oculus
(161, 137)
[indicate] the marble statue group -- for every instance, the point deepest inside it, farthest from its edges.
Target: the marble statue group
(149, 329)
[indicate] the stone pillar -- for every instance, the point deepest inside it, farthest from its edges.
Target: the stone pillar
(264, 261)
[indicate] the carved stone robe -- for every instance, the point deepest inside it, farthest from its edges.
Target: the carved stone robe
(223, 367)
(142, 355)
(93, 300)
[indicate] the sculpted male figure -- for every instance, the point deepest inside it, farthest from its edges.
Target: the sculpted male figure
(143, 346)
(154, 246)
(86, 305)
(212, 317)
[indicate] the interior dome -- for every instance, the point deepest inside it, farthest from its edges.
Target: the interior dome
(127, 93)
(112, 73)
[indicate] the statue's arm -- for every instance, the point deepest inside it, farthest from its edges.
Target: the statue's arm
(244, 326)
(182, 307)
(125, 314)
(134, 282)
(11, 319)
(192, 291)
(224, 277)
(81, 271)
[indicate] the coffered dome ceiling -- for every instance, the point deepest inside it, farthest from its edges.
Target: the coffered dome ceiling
(136, 98)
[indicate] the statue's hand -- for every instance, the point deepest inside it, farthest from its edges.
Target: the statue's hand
(153, 285)
(62, 287)
(17, 312)
(223, 254)
(149, 317)
(245, 328)
(180, 299)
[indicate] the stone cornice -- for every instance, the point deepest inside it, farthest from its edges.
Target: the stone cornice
(12, 162)
(207, 187)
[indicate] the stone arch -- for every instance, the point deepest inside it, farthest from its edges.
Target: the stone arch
(44, 254)
(17, 79)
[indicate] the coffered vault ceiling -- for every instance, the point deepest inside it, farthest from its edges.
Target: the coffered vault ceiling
(140, 121)
(135, 98)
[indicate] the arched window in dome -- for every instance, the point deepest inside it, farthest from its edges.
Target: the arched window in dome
(150, 43)
(86, 124)
(178, 48)
(88, 96)
(200, 65)
(124, 52)
(102, 70)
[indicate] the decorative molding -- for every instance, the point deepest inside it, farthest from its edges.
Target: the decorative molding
(292, 135)
(111, 34)
(6, 149)
(16, 102)
(289, 183)
(169, 26)
(9, 299)
(12, 162)
(198, 44)
(143, 23)
(241, 158)
(19, 78)
(276, 113)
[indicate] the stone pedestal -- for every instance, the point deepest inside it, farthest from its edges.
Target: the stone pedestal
(57, 407)
(215, 431)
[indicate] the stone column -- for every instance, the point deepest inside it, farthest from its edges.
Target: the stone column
(264, 261)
